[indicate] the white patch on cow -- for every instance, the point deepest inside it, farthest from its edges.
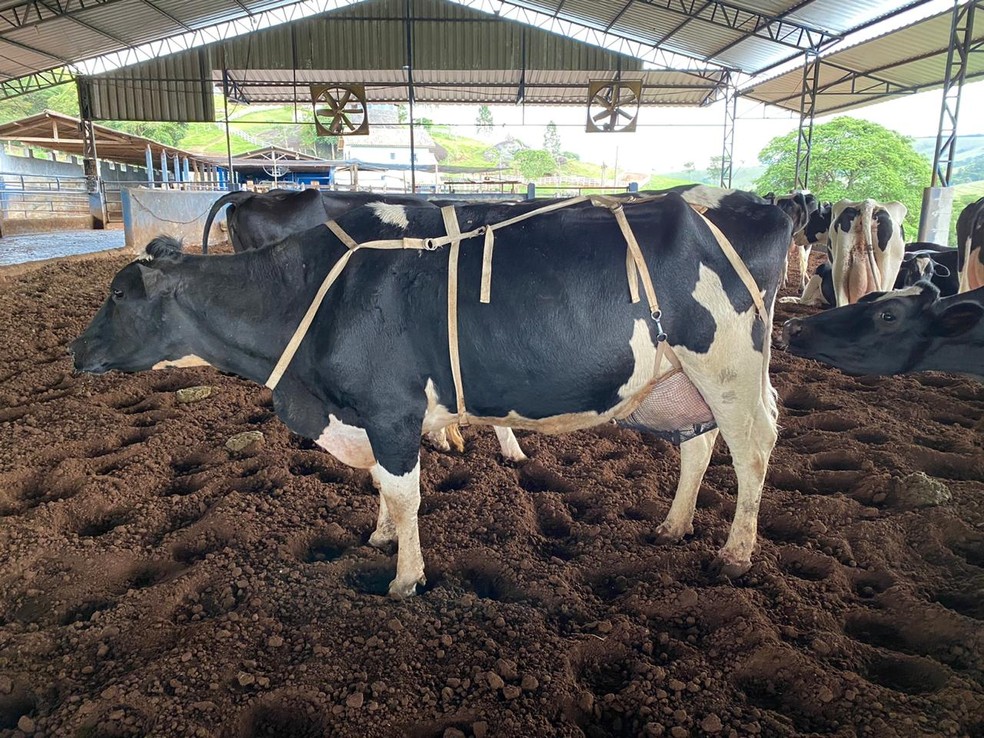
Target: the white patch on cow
(400, 494)
(923, 264)
(183, 362)
(644, 361)
(347, 443)
(745, 408)
(143, 256)
(905, 292)
(812, 294)
(705, 195)
(394, 215)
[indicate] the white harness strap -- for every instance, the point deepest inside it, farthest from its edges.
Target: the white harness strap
(451, 226)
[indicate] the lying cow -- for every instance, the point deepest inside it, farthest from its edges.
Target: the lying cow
(256, 219)
(909, 330)
(559, 347)
(970, 244)
(865, 247)
(921, 262)
(928, 262)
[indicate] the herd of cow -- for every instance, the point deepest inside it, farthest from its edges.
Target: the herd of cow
(413, 337)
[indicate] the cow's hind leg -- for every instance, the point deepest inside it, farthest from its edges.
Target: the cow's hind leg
(695, 455)
(733, 378)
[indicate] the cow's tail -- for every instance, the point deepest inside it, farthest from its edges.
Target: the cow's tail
(863, 273)
(231, 199)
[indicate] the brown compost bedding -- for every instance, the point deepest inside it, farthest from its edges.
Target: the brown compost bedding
(153, 583)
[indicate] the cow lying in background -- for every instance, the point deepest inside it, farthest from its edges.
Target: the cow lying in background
(256, 219)
(865, 247)
(928, 262)
(922, 261)
(560, 346)
(970, 244)
(909, 330)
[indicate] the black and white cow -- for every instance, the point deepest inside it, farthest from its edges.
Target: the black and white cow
(922, 261)
(260, 219)
(559, 347)
(930, 262)
(256, 219)
(908, 330)
(865, 247)
(970, 244)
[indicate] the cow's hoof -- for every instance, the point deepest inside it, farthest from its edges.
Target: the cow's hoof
(666, 533)
(519, 458)
(730, 566)
(401, 590)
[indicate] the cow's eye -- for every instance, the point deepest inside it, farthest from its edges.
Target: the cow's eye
(887, 317)
(117, 293)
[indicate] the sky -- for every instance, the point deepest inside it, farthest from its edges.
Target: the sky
(668, 137)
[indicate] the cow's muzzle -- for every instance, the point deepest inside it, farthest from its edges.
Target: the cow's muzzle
(83, 359)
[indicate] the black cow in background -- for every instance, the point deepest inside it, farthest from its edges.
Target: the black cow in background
(255, 219)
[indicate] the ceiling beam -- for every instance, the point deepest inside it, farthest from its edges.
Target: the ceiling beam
(33, 12)
(34, 82)
(720, 13)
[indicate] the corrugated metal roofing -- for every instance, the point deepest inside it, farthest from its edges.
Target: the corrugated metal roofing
(741, 35)
(906, 61)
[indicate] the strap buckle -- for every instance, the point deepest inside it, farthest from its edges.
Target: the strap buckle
(657, 316)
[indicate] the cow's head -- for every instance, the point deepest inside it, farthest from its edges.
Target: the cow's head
(884, 332)
(798, 205)
(920, 265)
(131, 332)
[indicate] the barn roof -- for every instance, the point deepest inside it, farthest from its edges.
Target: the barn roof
(683, 50)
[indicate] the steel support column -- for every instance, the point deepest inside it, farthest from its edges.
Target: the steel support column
(961, 41)
(727, 151)
(937, 205)
(90, 162)
(808, 102)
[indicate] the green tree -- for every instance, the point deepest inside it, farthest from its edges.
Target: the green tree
(852, 159)
(551, 140)
(713, 175)
(972, 171)
(484, 124)
(534, 163)
(166, 133)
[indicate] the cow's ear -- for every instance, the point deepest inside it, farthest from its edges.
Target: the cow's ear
(155, 281)
(958, 319)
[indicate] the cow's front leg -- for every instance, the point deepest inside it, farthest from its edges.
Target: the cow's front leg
(396, 475)
(385, 527)
(695, 455)
(400, 497)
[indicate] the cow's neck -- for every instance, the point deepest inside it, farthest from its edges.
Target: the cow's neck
(240, 310)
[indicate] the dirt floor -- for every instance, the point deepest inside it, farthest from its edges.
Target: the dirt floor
(153, 583)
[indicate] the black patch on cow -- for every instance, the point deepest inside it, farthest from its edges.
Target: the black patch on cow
(885, 228)
(845, 221)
